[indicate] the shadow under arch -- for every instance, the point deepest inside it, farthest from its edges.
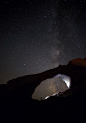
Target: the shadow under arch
(52, 86)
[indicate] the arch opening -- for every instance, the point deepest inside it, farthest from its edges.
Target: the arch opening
(52, 86)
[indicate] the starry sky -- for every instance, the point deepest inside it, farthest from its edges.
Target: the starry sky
(37, 35)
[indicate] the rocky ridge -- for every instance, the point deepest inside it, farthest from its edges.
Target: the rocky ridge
(17, 104)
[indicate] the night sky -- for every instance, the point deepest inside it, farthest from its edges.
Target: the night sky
(37, 35)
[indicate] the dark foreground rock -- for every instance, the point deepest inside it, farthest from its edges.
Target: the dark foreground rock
(17, 105)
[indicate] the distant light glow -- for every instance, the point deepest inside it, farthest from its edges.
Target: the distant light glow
(51, 95)
(67, 83)
(65, 78)
(55, 94)
(47, 97)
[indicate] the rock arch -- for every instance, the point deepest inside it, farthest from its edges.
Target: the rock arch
(25, 85)
(52, 86)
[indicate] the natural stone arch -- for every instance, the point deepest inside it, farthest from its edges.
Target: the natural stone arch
(58, 83)
(26, 85)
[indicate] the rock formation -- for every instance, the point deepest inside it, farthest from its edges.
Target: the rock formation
(16, 96)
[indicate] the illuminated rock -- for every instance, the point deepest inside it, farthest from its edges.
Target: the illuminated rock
(78, 62)
(65, 78)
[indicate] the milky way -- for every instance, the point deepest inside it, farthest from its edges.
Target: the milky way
(37, 35)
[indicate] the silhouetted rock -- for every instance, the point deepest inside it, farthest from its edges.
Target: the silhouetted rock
(68, 106)
(2, 87)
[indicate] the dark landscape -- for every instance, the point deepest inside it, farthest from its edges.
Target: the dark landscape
(17, 105)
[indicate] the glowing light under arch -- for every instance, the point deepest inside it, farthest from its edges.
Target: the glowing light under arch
(65, 78)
